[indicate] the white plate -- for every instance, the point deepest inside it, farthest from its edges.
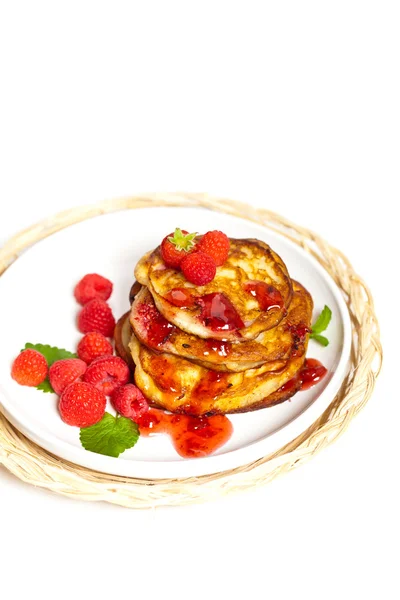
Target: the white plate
(37, 305)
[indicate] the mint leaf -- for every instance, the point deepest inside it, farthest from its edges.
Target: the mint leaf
(110, 436)
(51, 354)
(320, 338)
(45, 387)
(323, 320)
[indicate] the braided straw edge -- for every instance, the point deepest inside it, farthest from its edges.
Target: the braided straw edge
(36, 466)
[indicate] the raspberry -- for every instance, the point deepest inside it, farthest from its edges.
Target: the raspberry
(129, 401)
(96, 315)
(176, 246)
(198, 268)
(64, 372)
(93, 286)
(216, 245)
(92, 346)
(29, 368)
(107, 373)
(82, 405)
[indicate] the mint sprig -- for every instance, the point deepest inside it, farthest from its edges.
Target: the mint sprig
(111, 436)
(51, 354)
(320, 325)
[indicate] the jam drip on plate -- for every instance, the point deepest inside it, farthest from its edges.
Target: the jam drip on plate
(218, 313)
(267, 296)
(312, 373)
(192, 437)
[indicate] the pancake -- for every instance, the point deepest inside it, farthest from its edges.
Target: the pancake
(250, 293)
(273, 346)
(180, 386)
(122, 337)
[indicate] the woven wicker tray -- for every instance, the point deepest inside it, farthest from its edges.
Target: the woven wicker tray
(34, 465)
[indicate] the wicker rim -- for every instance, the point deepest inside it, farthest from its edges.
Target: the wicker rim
(34, 465)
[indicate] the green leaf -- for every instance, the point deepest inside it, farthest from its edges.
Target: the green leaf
(323, 320)
(182, 241)
(110, 436)
(51, 354)
(321, 339)
(45, 387)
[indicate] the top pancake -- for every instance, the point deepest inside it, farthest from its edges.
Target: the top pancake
(234, 313)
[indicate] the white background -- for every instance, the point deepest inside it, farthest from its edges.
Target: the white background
(289, 105)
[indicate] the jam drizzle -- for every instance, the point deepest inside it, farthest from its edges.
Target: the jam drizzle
(267, 296)
(219, 347)
(299, 332)
(181, 297)
(218, 313)
(210, 386)
(158, 329)
(192, 437)
(312, 372)
(165, 375)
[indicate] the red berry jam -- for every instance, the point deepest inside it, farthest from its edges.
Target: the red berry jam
(210, 386)
(192, 437)
(218, 313)
(299, 333)
(158, 329)
(312, 373)
(267, 295)
(181, 297)
(164, 374)
(291, 385)
(218, 347)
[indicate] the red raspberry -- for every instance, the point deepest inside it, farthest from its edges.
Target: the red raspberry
(29, 368)
(129, 401)
(198, 268)
(93, 345)
(64, 372)
(176, 246)
(216, 245)
(93, 286)
(82, 405)
(107, 373)
(96, 315)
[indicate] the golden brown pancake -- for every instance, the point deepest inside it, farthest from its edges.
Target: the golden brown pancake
(250, 293)
(181, 386)
(122, 337)
(273, 346)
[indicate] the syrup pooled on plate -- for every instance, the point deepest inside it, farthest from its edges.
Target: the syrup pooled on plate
(192, 437)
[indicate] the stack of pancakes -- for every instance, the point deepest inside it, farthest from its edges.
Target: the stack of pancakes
(235, 344)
